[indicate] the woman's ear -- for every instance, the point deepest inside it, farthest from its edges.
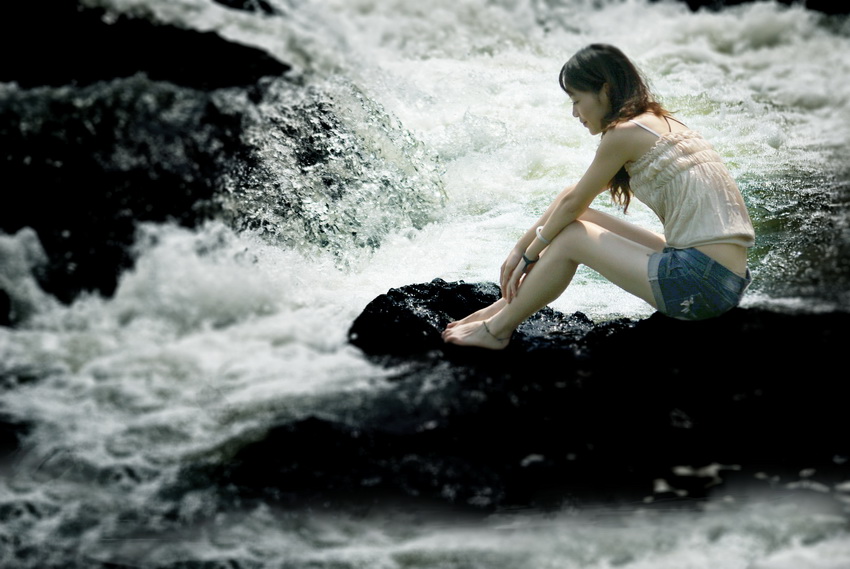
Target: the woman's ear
(603, 94)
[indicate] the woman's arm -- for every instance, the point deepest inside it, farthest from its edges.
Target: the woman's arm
(615, 150)
(525, 241)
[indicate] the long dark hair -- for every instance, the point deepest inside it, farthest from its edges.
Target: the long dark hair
(590, 69)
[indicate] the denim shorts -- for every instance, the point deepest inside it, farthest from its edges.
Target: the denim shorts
(689, 285)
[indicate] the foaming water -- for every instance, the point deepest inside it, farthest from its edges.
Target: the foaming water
(475, 84)
(765, 84)
(755, 535)
(466, 136)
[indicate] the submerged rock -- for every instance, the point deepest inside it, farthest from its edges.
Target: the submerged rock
(572, 412)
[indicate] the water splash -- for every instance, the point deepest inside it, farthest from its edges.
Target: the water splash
(331, 170)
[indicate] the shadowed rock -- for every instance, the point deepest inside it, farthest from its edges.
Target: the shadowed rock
(64, 42)
(572, 411)
(108, 121)
(824, 6)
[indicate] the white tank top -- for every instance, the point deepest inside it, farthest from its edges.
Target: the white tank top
(685, 182)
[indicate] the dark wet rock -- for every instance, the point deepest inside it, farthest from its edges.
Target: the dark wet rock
(12, 432)
(64, 42)
(92, 146)
(829, 7)
(249, 6)
(572, 412)
(87, 165)
(414, 317)
(116, 123)
(5, 308)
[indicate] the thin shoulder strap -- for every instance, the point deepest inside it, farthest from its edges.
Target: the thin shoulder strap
(668, 118)
(644, 127)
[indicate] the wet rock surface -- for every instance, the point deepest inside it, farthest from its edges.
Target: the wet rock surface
(572, 411)
(116, 125)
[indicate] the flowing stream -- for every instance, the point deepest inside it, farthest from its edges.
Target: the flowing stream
(448, 135)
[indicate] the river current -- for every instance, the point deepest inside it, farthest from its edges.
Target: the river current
(454, 113)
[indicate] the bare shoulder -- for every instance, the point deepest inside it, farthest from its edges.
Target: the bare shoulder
(628, 140)
(660, 123)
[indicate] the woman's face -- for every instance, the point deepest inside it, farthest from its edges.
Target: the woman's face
(590, 108)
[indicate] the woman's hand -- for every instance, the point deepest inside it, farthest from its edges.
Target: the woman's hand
(513, 272)
(509, 267)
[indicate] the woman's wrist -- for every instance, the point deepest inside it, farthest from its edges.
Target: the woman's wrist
(533, 251)
(540, 237)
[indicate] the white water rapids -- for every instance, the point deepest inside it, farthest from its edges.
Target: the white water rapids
(212, 333)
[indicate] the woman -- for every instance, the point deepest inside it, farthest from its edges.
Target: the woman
(696, 270)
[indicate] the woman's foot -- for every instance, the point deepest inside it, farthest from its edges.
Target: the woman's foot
(477, 334)
(483, 314)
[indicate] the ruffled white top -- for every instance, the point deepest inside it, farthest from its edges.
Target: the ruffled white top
(685, 182)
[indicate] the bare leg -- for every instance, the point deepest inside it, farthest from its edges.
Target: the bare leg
(628, 230)
(625, 229)
(620, 260)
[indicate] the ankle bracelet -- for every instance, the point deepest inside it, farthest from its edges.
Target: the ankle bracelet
(487, 328)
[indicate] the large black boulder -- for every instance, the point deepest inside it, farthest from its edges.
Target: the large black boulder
(84, 166)
(108, 121)
(571, 412)
(67, 42)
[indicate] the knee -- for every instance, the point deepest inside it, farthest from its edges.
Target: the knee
(570, 241)
(591, 215)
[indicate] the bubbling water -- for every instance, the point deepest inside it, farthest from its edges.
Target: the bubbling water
(445, 136)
